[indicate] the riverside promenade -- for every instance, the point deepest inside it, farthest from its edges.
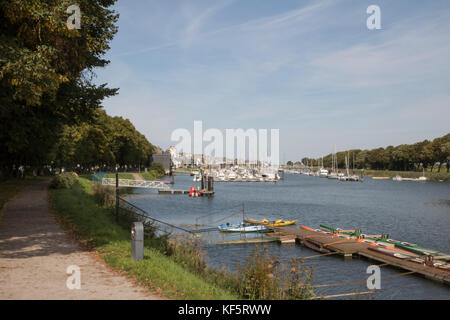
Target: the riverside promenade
(35, 253)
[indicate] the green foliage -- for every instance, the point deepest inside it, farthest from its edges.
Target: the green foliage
(265, 277)
(95, 227)
(121, 175)
(105, 195)
(105, 141)
(64, 180)
(151, 175)
(158, 168)
(401, 158)
(46, 72)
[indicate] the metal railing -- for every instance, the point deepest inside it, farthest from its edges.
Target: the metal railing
(136, 183)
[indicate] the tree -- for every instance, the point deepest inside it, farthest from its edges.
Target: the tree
(440, 150)
(106, 141)
(46, 73)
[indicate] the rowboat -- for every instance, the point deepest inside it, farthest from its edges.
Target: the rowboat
(242, 227)
(436, 264)
(277, 223)
(384, 241)
(393, 253)
(315, 247)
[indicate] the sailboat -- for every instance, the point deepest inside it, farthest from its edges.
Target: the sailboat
(345, 177)
(323, 173)
(333, 173)
(422, 178)
(354, 177)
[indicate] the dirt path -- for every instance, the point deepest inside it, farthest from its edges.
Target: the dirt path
(35, 253)
(137, 176)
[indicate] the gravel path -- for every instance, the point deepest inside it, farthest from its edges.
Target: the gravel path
(35, 254)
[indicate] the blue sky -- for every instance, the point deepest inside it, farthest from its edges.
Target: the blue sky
(309, 68)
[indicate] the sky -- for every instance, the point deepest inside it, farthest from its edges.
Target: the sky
(311, 69)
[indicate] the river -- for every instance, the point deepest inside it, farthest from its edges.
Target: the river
(417, 212)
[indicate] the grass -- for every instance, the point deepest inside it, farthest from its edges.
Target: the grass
(184, 170)
(10, 188)
(95, 228)
(150, 175)
(121, 175)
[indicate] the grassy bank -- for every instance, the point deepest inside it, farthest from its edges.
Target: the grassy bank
(94, 226)
(432, 176)
(184, 170)
(121, 175)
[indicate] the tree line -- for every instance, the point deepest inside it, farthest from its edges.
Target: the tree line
(405, 157)
(50, 108)
(103, 144)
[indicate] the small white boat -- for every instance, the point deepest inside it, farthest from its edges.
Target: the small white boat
(232, 176)
(332, 175)
(242, 227)
(323, 173)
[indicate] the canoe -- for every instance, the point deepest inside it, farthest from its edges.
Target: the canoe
(315, 247)
(277, 223)
(242, 227)
(401, 246)
(421, 251)
(392, 253)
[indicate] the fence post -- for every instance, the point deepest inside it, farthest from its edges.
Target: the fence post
(137, 241)
(117, 196)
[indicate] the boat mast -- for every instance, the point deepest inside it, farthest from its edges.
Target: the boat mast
(346, 163)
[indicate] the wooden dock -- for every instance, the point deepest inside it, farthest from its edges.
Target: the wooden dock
(203, 193)
(173, 191)
(350, 247)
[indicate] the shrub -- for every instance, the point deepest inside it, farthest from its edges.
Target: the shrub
(265, 277)
(64, 180)
(188, 252)
(105, 195)
(158, 168)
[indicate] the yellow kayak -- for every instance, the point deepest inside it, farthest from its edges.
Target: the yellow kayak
(277, 223)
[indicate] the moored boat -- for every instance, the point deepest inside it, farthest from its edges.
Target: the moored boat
(277, 223)
(242, 227)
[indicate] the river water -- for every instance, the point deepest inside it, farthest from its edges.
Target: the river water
(416, 212)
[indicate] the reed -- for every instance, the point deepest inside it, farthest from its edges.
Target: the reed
(264, 276)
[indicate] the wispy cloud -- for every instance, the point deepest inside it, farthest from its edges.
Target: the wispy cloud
(196, 24)
(313, 71)
(405, 53)
(260, 25)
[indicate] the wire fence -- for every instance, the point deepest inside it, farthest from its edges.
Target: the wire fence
(131, 213)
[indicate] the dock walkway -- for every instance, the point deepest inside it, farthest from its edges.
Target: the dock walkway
(350, 247)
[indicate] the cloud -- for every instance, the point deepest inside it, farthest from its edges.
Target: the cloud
(313, 71)
(260, 25)
(196, 24)
(406, 53)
